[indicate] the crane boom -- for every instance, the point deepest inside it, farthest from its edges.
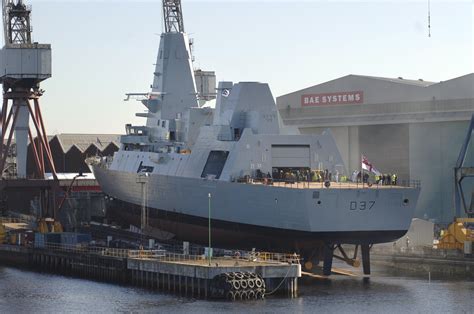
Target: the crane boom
(173, 16)
(16, 22)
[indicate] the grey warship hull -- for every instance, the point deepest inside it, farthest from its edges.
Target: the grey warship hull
(255, 215)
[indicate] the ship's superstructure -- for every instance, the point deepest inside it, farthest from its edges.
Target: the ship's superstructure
(258, 176)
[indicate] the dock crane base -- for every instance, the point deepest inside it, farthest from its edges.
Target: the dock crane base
(460, 173)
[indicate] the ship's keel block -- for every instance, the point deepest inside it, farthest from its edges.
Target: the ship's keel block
(238, 286)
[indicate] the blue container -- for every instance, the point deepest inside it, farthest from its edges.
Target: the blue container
(71, 238)
(39, 240)
(52, 238)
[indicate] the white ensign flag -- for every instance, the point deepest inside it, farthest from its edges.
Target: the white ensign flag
(367, 165)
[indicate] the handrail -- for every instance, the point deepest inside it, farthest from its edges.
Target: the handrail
(166, 256)
(11, 220)
(294, 184)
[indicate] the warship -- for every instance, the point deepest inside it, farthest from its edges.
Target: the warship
(235, 164)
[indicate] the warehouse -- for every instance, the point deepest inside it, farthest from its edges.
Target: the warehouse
(413, 128)
(69, 151)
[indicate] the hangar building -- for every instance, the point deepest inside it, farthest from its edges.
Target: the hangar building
(414, 128)
(69, 151)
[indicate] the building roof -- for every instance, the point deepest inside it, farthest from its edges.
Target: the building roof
(400, 80)
(381, 101)
(83, 141)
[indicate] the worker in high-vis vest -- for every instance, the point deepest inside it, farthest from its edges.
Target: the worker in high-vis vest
(394, 179)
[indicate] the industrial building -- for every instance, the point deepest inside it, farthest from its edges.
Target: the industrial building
(69, 151)
(413, 128)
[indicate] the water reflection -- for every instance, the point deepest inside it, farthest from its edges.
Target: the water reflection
(23, 291)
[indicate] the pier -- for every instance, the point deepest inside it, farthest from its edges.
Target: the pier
(224, 277)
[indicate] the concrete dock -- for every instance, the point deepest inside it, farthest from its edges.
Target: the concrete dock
(231, 278)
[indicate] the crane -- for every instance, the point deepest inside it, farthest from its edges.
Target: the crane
(460, 234)
(24, 64)
(173, 16)
(16, 22)
(461, 171)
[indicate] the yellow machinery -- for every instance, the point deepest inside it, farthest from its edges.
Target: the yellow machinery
(456, 234)
(462, 229)
(47, 225)
(2, 233)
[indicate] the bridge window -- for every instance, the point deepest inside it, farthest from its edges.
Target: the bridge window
(215, 164)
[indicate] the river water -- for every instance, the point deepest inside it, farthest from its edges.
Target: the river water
(29, 292)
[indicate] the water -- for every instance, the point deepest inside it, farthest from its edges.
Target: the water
(28, 292)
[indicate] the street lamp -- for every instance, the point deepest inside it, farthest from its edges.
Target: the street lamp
(209, 221)
(143, 179)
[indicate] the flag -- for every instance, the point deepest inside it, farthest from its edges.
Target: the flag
(367, 165)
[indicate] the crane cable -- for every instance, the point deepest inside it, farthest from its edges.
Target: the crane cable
(429, 18)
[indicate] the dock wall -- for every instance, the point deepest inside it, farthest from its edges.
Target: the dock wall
(444, 267)
(193, 278)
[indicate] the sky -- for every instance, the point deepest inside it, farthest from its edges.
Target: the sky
(105, 49)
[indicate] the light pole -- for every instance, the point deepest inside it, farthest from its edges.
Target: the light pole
(209, 216)
(143, 179)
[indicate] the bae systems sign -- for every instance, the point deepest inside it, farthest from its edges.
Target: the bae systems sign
(339, 98)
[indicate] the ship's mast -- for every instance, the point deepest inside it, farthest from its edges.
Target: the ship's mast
(173, 16)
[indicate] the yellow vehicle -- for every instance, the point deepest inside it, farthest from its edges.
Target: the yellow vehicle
(2, 233)
(47, 225)
(456, 234)
(460, 234)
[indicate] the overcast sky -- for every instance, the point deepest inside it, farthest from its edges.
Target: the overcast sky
(104, 49)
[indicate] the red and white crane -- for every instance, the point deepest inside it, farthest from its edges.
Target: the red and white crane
(23, 66)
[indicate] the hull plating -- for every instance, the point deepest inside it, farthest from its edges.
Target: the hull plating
(260, 216)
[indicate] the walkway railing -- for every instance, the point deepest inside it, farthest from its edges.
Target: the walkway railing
(166, 256)
(334, 185)
(9, 220)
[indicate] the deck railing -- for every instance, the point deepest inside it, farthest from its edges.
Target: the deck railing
(167, 256)
(11, 220)
(294, 184)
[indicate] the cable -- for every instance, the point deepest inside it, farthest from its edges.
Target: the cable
(429, 18)
(279, 285)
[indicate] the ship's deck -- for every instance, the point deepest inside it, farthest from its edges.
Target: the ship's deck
(336, 185)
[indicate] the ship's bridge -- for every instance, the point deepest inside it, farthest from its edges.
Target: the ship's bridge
(136, 135)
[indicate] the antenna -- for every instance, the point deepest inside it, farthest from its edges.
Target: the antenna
(429, 18)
